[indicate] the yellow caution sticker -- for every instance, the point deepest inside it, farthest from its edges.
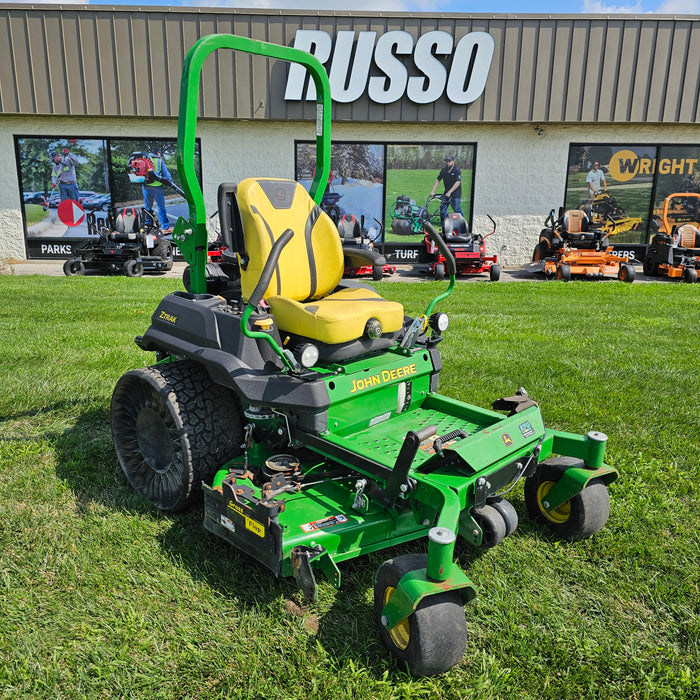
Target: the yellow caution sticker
(254, 526)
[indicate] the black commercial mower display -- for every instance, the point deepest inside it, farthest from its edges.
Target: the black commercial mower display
(132, 245)
(133, 242)
(570, 246)
(306, 409)
(675, 249)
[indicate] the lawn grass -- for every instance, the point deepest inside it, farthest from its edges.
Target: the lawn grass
(103, 596)
(34, 213)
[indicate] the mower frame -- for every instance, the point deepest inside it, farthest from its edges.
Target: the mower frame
(467, 248)
(149, 251)
(664, 256)
(557, 254)
(304, 466)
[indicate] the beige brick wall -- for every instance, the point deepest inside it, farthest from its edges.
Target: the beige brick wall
(519, 177)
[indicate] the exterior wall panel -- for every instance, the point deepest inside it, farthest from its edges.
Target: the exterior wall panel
(124, 62)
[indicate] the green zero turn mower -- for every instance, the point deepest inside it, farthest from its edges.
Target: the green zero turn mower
(306, 408)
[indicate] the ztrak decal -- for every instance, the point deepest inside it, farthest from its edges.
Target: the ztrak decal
(165, 316)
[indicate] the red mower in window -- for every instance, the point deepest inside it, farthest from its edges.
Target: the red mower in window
(468, 249)
(360, 255)
(570, 247)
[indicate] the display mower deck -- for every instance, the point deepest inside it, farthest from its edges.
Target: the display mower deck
(311, 450)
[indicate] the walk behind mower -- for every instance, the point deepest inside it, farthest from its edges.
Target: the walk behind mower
(306, 409)
(132, 245)
(407, 217)
(361, 256)
(569, 246)
(675, 250)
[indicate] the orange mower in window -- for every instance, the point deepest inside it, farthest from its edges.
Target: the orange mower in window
(570, 247)
(675, 249)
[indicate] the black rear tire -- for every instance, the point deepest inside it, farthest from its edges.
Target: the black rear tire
(430, 641)
(495, 273)
(649, 267)
(172, 428)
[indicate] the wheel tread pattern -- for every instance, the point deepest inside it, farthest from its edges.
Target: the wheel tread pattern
(202, 421)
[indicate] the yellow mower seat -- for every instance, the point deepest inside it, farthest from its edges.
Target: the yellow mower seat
(301, 291)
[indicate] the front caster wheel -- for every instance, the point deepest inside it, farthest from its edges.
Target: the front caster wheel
(172, 428)
(564, 272)
(626, 273)
(493, 525)
(71, 268)
(133, 268)
(690, 275)
(579, 517)
(430, 641)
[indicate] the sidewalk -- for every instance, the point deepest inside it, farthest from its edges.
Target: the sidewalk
(54, 268)
(404, 273)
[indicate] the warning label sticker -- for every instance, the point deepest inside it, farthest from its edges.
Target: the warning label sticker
(325, 522)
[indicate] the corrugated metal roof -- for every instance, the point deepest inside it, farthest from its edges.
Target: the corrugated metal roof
(123, 61)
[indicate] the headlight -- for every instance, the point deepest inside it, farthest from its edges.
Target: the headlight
(307, 354)
(373, 329)
(439, 322)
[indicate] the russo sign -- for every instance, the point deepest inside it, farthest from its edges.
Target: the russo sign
(395, 64)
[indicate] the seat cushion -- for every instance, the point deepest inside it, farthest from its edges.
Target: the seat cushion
(338, 318)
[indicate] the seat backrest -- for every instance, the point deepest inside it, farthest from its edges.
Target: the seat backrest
(688, 236)
(349, 227)
(127, 221)
(311, 264)
(126, 225)
(575, 221)
(455, 225)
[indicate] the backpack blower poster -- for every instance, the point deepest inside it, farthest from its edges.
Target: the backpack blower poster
(73, 187)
